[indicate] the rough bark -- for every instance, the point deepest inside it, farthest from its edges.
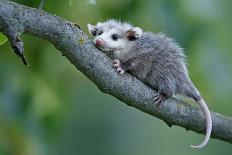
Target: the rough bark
(68, 38)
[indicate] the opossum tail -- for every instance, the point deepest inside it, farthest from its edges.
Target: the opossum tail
(208, 119)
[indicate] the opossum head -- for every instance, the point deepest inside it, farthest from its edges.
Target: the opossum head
(114, 36)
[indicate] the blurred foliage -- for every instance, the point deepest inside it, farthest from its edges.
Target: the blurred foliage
(3, 39)
(51, 108)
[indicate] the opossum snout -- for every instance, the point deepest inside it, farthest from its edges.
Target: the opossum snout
(99, 42)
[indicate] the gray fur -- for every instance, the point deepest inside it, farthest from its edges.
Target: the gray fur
(159, 62)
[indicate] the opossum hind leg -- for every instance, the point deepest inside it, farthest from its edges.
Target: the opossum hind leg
(160, 98)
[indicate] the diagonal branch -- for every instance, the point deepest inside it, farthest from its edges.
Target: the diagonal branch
(79, 50)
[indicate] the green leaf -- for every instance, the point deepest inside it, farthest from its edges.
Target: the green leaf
(3, 39)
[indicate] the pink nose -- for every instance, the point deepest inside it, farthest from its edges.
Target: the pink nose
(99, 42)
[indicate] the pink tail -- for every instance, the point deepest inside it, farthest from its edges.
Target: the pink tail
(208, 119)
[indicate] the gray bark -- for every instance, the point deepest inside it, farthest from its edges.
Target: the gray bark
(68, 38)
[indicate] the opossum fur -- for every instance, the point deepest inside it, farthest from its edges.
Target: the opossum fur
(155, 59)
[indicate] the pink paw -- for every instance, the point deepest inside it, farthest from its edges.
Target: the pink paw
(159, 99)
(117, 65)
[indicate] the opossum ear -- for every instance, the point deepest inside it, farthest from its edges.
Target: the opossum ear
(92, 29)
(134, 34)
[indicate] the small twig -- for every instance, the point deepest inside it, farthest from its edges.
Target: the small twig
(17, 45)
(41, 4)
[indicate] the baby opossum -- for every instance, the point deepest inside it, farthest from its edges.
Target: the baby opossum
(155, 59)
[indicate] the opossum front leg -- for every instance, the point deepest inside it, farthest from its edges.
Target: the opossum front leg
(120, 67)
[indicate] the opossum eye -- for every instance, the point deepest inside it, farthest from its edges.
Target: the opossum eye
(100, 32)
(115, 37)
(94, 33)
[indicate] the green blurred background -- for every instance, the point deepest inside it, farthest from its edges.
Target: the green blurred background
(50, 108)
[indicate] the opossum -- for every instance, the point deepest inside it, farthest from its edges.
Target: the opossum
(155, 59)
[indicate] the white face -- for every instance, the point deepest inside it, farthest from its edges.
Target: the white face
(113, 36)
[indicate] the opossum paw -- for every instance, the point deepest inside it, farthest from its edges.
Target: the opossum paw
(119, 70)
(117, 66)
(116, 63)
(159, 99)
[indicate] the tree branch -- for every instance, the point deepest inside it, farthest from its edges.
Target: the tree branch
(16, 19)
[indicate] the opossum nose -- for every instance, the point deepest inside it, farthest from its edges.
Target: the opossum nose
(99, 42)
